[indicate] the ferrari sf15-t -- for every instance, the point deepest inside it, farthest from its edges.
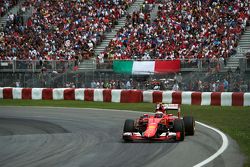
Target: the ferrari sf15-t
(159, 126)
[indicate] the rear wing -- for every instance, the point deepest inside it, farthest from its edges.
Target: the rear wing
(173, 107)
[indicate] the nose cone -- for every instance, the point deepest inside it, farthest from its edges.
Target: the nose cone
(151, 130)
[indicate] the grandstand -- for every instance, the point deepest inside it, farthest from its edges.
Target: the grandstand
(6, 5)
(74, 44)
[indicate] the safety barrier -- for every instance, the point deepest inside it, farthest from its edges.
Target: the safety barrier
(128, 96)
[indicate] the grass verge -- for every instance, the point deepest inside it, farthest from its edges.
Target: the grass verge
(232, 120)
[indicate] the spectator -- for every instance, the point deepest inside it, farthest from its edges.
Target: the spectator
(225, 83)
(175, 87)
(237, 70)
(178, 79)
(128, 84)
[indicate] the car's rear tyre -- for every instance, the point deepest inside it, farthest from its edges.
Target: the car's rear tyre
(179, 127)
(189, 125)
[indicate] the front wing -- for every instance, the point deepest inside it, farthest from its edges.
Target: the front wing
(163, 137)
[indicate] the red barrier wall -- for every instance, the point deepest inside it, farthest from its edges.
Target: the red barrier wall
(131, 96)
(27, 93)
(135, 96)
(196, 98)
(176, 96)
(69, 94)
(157, 96)
(47, 94)
(107, 95)
(216, 99)
(237, 99)
(89, 95)
(7, 93)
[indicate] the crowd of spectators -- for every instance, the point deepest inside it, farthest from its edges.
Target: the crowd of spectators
(60, 30)
(208, 29)
(67, 30)
(6, 5)
(130, 39)
(221, 82)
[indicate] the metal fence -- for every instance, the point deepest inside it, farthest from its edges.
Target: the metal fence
(54, 74)
(35, 65)
(34, 73)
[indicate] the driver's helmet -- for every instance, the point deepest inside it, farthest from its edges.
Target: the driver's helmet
(158, 114)
(160, 107)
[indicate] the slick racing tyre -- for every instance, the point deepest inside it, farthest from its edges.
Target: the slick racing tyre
(128, 126)
(189, 125)
(179, 127)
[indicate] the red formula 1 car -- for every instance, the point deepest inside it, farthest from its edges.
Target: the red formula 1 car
(159, 126)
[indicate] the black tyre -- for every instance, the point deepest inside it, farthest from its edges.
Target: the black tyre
(179, 127)
(189, 125)
(129, 126)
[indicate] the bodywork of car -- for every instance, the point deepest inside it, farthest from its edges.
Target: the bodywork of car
(158, 126)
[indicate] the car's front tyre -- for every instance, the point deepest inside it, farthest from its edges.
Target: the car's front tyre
(128, 127)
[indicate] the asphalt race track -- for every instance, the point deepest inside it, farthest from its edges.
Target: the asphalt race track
(32, 136)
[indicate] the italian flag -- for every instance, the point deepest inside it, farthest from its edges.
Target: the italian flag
(146, 67)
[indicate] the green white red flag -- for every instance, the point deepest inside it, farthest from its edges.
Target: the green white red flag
(146, 67)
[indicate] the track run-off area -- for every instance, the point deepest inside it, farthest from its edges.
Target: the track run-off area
(47, 136)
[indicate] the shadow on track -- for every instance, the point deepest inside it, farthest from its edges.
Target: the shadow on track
(16, 126)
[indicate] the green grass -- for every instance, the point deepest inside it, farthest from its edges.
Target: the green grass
(235, 121)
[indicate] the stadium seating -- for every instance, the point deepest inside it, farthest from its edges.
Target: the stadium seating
(5, 5)
(189, 30)
(60, 30)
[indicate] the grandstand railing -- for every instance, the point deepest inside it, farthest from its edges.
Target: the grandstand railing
(62, 65)
(35, 65)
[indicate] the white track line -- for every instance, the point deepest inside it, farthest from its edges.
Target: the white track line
(220, 151)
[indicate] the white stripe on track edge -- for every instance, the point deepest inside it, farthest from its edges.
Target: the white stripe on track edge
(220, 151)
(206, 161)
